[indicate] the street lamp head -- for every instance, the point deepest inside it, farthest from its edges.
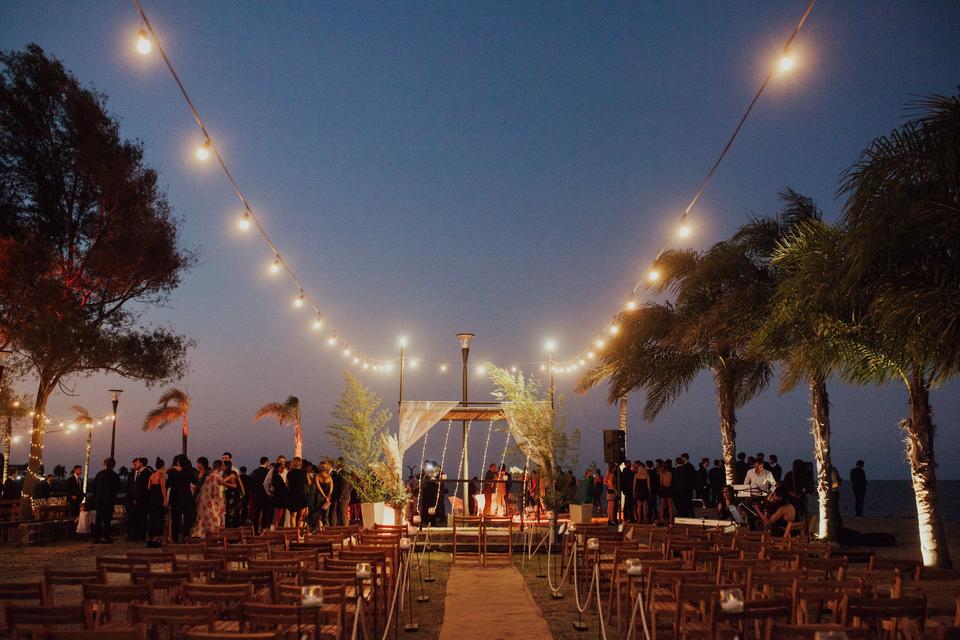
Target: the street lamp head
(403, 341)
(115, 394)
(550, 345)
(465, 339)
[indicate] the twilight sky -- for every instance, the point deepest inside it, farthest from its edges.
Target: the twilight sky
(503, 168)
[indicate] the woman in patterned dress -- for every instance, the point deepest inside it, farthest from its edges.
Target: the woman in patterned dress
(211, 504)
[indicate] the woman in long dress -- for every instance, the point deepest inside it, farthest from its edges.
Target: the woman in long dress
(211, 504)
(500, 492)
(234, 496)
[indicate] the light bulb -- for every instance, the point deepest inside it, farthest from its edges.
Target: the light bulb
(203, 151)
(144, 46)
(443, 368)
(591, 354)
(599, 344)
(298, 301)
(356, 360)
(543, 367)
(550, 345)
(683, 231)
(613, 329)
(366, 365)
(481, 370)
(631, 305)
(346, 352)
(275, 267)
(653, 275)
(786, 63)
(318, 324)
(513, 369)
(244, 223)
(402, 341)
(582, 362)
(414, 363)
(332, 340)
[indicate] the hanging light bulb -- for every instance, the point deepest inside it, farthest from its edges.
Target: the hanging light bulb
(298, 301)
(144, 46)
(481, 370)
(683, 231)
(346, 352)
(653, 275)
(275, 267)
(582, 362)
(786, 63)
(356, 360)
(591, 354)
(318, 323)
(443, 368)
(543, 367)
(631, 305)
(366, 365)
(203, 151)
(599, 343)
(332, 340)
(513, 369)
(244, 223)
(613, 329)
(413, 363)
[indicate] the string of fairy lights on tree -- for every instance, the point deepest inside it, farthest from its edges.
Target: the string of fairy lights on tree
(207, 149)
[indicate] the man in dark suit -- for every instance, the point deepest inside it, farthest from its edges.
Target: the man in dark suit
(260, 511)
(688, 476)
(336, 495)
(106, 486)
(74, 486)
(717, 479)
(741, 467)
(626, 488)
(858, 478)
(703, 481)
(775, 467)
(137, 500)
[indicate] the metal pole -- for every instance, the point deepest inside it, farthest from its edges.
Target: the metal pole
(465, 352)
(401, 374)
(552, 387)
(115, 400)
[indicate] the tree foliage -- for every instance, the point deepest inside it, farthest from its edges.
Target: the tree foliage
(358, 428)
(87, 239)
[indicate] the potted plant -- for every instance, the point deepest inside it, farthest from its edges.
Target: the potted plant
(359, 429)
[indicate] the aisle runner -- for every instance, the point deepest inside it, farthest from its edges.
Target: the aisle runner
(491, 603)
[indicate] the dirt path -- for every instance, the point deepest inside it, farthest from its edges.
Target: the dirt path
(491, 603)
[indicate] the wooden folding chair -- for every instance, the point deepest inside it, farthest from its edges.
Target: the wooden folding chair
(695, 607)
(200, 569)
(100, 600)
(662, 593)
(111, 566)
(166, 584)
(886, 616)
(318, 622)
(815, 599)
(26, 621)
(153, 559)
(468, 528)
(339, 595)
(21, 593)
(172, 616)
(224, 598)
(500, 530)
(185, 550)
(756, 613)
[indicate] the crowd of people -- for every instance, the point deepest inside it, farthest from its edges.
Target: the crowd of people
(189, 499)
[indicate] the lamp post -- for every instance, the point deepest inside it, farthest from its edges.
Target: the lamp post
(115, 399)
(465, 339)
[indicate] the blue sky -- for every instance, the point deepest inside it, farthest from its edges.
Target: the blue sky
(504, 168)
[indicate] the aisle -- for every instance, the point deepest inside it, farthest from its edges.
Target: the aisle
(491, 603)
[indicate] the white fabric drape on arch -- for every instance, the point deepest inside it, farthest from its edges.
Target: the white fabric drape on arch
(417, 417)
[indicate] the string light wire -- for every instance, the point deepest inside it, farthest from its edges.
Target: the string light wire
(560, 366)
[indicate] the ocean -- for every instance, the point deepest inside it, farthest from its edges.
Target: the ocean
(895, 498)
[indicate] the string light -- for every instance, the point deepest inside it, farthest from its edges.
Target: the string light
(356, 360)
(481, 370)
(591, 355)
(332, 340)
(298, 301)
(413, 363)
(346, 352)
(318, 323)
(613, 329)
(443, 368)
(144, 46)
(203, 151)
(653, 275)
(513, 369)
(147, 38)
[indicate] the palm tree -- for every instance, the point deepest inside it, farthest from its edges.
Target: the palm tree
(82, 418)
(802, 253)
(174, 405)
(903, 258)
(289, 412)
(662, 347)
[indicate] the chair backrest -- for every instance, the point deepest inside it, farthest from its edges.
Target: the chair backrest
(223, 597)
(173, 615)
(873, 610)
(19, 591)
(118, 593)
(781, 631)
(233, 635)
(113, 565)
(767, 611)
(54, 576)
(185, 549)
(153, 559)
(43, 616)
(698, 599)
(259, 616)
(198, 567)
(309, 557)
(135, 633)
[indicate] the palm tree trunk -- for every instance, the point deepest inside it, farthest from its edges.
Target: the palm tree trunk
(919, 429)
(183, 435)
(728, 428)
(86, 460)
(7, 436)
(820, 409)
(298, 440)
(623, 416)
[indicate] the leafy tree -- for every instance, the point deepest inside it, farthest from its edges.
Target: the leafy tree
(539, 431)
(286, 412)
(358, 430)
(87, 240)
(903, 260)
(174, 405)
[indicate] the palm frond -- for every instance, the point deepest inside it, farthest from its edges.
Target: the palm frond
(160, 417)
